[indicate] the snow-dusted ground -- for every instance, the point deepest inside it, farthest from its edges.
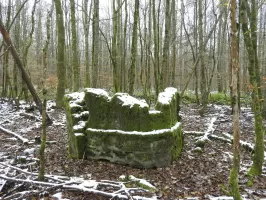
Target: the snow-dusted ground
(194, 175)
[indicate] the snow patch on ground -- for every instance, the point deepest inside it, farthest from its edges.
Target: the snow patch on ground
(59, 196)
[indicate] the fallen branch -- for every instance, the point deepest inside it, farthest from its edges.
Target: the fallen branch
(2, 184)
(28, 181)
(24, 140)
(246, 145)
(29, 116)
(6, 196)
(215, 137)
(86, 186)
(18, 195)
(202, 140)
(54, 178)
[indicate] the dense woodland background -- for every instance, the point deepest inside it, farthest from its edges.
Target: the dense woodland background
(136, 46)
(139, 47)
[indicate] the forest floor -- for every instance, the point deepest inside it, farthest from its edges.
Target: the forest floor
(201, 175)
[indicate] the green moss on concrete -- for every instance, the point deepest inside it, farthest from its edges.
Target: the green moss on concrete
(170, 109)
(178, 142)
(97, 103)
(121, 129)
(131, 181)
(156, 121)
(80, 146)
(129, 116)
(75, 112)
(140, 150)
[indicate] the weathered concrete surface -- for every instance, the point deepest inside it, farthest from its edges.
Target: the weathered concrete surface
(122, 129)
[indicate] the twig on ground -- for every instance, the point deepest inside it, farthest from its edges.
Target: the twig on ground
(70, 185)
(24, 140)
(29, 116)
(33, 174)
(11, 191)
(203, 139)
(18, 195)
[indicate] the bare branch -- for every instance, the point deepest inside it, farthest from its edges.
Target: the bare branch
(24, 140)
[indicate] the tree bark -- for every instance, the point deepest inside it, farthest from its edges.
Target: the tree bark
(75, 53)
(61, 70)
(132, 69)
(258, 157)
(157, 73)
(233, 180)
(95, 43)
(165, 61)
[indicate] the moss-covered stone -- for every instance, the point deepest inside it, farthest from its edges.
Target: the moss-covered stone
(122, 129)
(128, 113)
(79, 147)
(97, 102)
(140, 149)
(76, 117)
(168, 104)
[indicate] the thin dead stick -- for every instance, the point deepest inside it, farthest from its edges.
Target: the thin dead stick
(32, 174)
(74, 186)
(17, 195)
(28, 181)
(24, 140)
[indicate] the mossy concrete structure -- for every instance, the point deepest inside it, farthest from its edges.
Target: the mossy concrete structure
(123, 129)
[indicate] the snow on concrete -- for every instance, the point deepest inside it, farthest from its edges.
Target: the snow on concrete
(80, 125)
(154, 112)
(79, 115)
(97, 91)
(77, 96)
(131, 101)
(154, 132)
(166, 96)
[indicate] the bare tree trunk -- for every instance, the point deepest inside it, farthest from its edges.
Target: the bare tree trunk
(165, 61)
(157, 74)
(86, 26)
(95, 43)
(258, 157)
(233, 181)
(61, 70)
(203, 83)
(123, 62)
(174, 52)
(6, 56)
(134, 50)
(114, 47)
(44, 91)
(75, 53)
